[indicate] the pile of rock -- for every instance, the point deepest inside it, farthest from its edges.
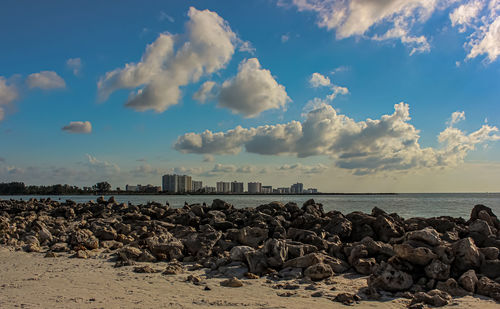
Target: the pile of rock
(427, 259)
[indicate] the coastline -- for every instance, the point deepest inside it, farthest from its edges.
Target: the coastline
(284, 250)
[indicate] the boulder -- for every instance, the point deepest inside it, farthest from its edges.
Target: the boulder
(438, 270)
(434, 298)
(289, 273)
(427, 235)
(468, 280)
(318, 271)
(418, 256)
(480, 226)
(277, 252)
(386, 228)
(305, 261)
(466, 255)
(238, 253)
(252, 236)
(232, 283)
(490, 268)
(388, 278)
(489, 253)
(488, 287)
(338, 225)
(451, 287)
(256, 261)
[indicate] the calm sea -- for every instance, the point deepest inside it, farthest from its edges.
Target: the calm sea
(406, 205)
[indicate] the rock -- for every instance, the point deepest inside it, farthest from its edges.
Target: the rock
(305, 261)
(427, 235)
(174, 268)
(418, 256)
(289, 273)
(434, 298)
(146, 269)
(44, 235)
(488, 287)
(346, 298)
(257, 261)
(50, 254)
(84, 238)
(238, 253)
(451, 287)
(438, 270)
(251, 276)
(387, 278)
(466, 255)
(252, 236)
(337, 265)
(490, 268)
(233, 283)
(277, 252)
(317, 294)
(318, 271)
(59, 247)
(386, 228)
(194, 280)
(234, 269)
(480, 226)
(490, 253)
(221, 205)
(468, 280)
(364, 266)
(484, 213)
(82, 254)
(165, 247)
(129, 253)
(338, 225)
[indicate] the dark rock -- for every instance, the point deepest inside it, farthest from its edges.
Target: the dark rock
(466, 255)
(488, 287)
(468, 280)
(318, 271)
(451, 287)
(438, 270)
(490, 268)
(386, 228)
(418, 256)
(347, 298)
(388, 278)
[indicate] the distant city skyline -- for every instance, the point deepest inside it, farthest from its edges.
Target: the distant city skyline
(344, 96)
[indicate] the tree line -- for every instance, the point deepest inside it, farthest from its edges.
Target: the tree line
(19, 188)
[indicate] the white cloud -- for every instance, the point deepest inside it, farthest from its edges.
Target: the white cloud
(206, 92)
(319, 80)
(145, 170)
(285, 38)
(208, 158)
(164, 16)
(102, 167)
(252, 91)
(304, 169)
(45, 80)
(74, 64)
(78, 127)
(370, 146)
(8, 94)
(208, 47)
(456, 117)
(187, 170)
(488, 41)
(465, 14)
(246, 46)
(359, 18)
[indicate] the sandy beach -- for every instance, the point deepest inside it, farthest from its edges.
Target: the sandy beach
(29, 280)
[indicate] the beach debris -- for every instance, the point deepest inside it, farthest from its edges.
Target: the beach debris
(232, 282)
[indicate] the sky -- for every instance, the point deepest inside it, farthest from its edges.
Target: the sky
(343, 96)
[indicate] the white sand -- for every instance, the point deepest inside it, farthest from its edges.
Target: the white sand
(28, 280)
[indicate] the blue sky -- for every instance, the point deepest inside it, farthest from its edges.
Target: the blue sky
(80, 102)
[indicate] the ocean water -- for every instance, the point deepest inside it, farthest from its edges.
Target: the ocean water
(406, 205)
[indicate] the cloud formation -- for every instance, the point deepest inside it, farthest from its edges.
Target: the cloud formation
(208, 46)
(206, 92)
(399, 19)
(74, 64)
(303, 169)
(370, 146)
(80, 127)
(252, 91)
(8, 94)
(102, 167)
(319, 80)
(45, 80)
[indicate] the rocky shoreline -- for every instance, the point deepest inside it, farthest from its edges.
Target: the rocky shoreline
(427, 260)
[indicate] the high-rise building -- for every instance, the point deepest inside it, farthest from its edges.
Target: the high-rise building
(297, 188)
(237, 187)
(170, 183)
(197, 185)
(254, 187)
(223, 187)
(267, 189)
(185, 184)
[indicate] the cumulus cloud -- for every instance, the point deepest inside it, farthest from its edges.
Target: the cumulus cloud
(187, 170)
(208, 46)
(45, 80)
(206, 92)
(285, 38)
(303, 169)
(8, 94)
(146, 170)
(464, 15)
(456, 117)
(252, 91)
(318, 80)
(370, 146)
(74, 64)
(78, 127)
(360, 17)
